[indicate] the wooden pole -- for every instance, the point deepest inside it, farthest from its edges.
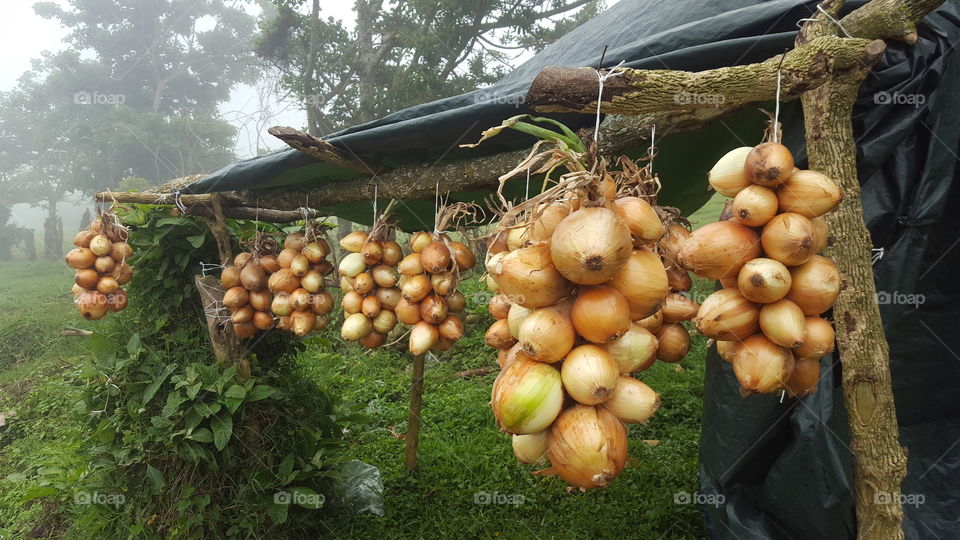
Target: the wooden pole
(413, 418)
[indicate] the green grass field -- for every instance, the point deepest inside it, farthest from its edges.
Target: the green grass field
(464, 460)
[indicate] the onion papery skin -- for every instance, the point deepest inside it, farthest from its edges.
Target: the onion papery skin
(515, 317)
(809, 194)
(498, 335)
(783, 323)
(355, 327)
(755, 206)
(633, 402)
(761, 366)
(590, 245)
(643, 282)
(653, 322)
(499, 306)
(589, 374)
(353, 242)
(789, 238)
(727, 349)
(542, 229)
(764, 280)
(435, 257)
(719, 250)
(635, 350)
(727, 315)
(527, 397)
(729, 175)
(816, 285)
(673, 342)
(528, 277)
(805, 376)
(640, 218)
(531, 448)
(769, 164)
(588, 446)
(423, 336)
(818, 338)
(600, 314)
(677, 308)
(547, 335)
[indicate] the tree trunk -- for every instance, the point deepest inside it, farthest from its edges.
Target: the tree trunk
(53, 232)
(344, 227)
(413, 416)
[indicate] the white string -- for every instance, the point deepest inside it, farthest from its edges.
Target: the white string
(776, 111)
(526, 194)
(205, 267)
(603, 78)
(653, 139)
(179, 203)
(436, 205)
(829, 17)
(375, 204)
(782, 393)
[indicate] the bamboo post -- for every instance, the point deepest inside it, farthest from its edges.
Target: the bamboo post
(413, 419)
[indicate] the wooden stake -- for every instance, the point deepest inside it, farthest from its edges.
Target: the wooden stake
(413, 419)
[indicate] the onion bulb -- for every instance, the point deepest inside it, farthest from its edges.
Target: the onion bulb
(678, 279)
(230, 277)
(805, 376)
(408, 312)
(373, 340)
(589, 374)
(433, 309)
(385, 321)
(351, 265)
(443, 282)
(727, 315)
(392, 253)
(789, 238)
(499, 306)
(498, 335)
(435, 257)
(104, 264)
(355, 327)
(82, 239)
(372, 252)
(370, 307)
(640, 218)
(314, 252)
(761, 366)
(547, 335)
(300, 300)
(235, 297)
(672, 242)
(262, 320)
(118, 300)
(532, 447)
(352, 302)
(817, 339)
(270, 265)
(727, 349)
(754, 206)
(423, 336)
(506, 356)
(299, 265)
(809, 194)
(100, 245)
(244, 330)
(718, 250)
(816, 285)
(389, 298)
(769, 164)
(528, 277)
(253, 277)
(260, 300)
(634, 351)
(242, 259)
(677, 307)
(588, 446)
(283, 281)
(729, 175)
(764, 280)
(416, 288)
(92, 305)
(821, 233)
(363, 283)
(633, 402)
(420, 240)
(590, 245)
(456, 301)
(643, 282)
(242, 315)
(86, 278)
(600, 314)
(673, 342)
(410, 265)
(354, 241)
(653, 322)
(783, 323)
(302, 322)
(451, 328)
(80, 258)
(286, 257)
(280, 306)
(107, 285)
(527, 397)
(515, 317)
(385, 276)
(295, 241)
(463, 258)
(312, 281)
(121, 251)
(551, 216)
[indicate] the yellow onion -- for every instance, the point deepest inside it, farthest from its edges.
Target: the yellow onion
(643, 282)
(312, 281)
(416, 288)
(529, 278)
(385, 321)
(463, 258)
(262, 320)
(456, 301)
(728, 283)
(653, 322)
(354, 241)
(761, 366)
(363, 283)
(300, 299)
(372, 252)
(269, 264)
(506, 356)
(498, 335)
(809, 194)
(727, 315)
(433, 309)
(352, 302)
(410, 265)
(673, 342)
(451, 328)
(392, 253)
(754, 206)
(321, 303)
(515, 317)
(640, 218)
(389, 298)
(230, 277)
(783, 323)
(497, 243)
(499, 306)
(100, 245)
(677, 307)
(280, 306)
(729, 175)
(370, 307)
(242, 314)
(727, 349)
(518, 237)
(634, 351)
(547, 335)
(600, 314)
(385, 276)
(118, 300)
(92, 305)
(672, 242)
(589, 374)
(678, 279)
(551, 216)
(817, 339)
(107, 285)
(789, 238)
(590, 245)
(235, 297)
(804, 378)
(435, 257)
(299, 265)
(764, 280)
(302, 322)
(314, 252)
(718, 250)
(356, 326)
(816, 285)
(531, 448)
(286, 257)
(253, 277)
(444, 282)
(325, 267)
(260, 300)
(633, 402)
(588, 446)
(283, 322)
(81, 258)
(527, 397)
(423, 336)
(77, 290)
(351, 265)
(242, 259)
(373, 340)
(295, 241)
(104, 264)
(442, 345)
(83, 238)
(408, 312)
(821, 233)
(491, 284)
(420, 240)
(121, 251)
(244, 330)
(86, 278)
(769, 164)
(283, 281)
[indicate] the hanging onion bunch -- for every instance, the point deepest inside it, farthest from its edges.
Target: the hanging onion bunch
(298, 281)
(100, 261)
(767, 317)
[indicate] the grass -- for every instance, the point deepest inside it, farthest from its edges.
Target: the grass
(462, 454)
